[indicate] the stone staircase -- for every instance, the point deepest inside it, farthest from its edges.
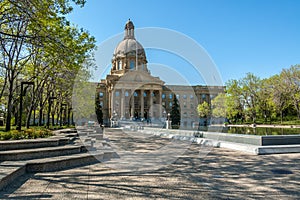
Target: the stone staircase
(62, 151)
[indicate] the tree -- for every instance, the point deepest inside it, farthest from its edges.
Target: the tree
(235, 103)
(219, 107)
(278, 94)
(291, 81)
(203, 109)
(38, 44)
(250, 86)
(175, 112)
(98, 109)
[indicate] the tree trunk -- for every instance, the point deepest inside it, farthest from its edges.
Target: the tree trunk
(34, 110)
(41, 111)
(9, 106)
(52, 117)
(29, 116)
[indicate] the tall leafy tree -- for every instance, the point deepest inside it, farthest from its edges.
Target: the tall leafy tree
(36, 30)
(291, 81)
(203, 110)
(234, 101)
(219, 106)
(250, 86)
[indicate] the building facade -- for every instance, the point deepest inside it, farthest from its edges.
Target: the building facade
(130, 92)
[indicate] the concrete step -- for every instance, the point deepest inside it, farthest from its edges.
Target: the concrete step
(277, 149)
(68, 131)
(33, 143)
(11, 170)
(26, 154)
(63, 162)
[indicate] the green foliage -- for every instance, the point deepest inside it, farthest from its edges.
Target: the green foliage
(253, 99)
(175, 112)
(38, 44)
(203, 109)
(25, 134)
(219, 106)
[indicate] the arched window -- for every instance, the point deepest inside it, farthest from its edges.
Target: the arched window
(120, 65)
(126, 94)
(135, 94)
(132, 65)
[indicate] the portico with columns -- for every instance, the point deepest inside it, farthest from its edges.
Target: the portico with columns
(133, 93)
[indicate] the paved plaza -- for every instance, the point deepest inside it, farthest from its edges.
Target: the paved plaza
(221, 174)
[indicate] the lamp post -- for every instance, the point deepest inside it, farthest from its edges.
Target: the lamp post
(50, 100)
(168, 122)
(23, 91)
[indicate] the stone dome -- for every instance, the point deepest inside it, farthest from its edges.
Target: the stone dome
(129, 45)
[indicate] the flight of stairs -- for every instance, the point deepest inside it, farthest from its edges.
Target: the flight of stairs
(62, 151)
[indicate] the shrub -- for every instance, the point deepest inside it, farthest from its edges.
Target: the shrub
(5, 136)
(30, 133)
(16, 135)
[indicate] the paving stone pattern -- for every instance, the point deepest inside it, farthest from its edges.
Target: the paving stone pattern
(222, 174)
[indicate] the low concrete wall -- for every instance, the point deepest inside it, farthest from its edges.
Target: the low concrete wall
(280, 140)
(235, 138)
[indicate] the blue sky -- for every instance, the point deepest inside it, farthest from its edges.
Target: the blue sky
(258, 36)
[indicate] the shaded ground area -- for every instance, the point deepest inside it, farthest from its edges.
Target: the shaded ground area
(221, 174)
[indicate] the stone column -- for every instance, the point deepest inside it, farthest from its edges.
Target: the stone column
(122, 103)
(132, 104)
(150, 104)
(142, 103)
(112, 102)
(160, 104)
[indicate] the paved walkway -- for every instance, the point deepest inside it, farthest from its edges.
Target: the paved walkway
(221, 174)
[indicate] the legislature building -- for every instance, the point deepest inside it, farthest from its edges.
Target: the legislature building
(130, 93)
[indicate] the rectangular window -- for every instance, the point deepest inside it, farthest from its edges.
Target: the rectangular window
(101, 94)
(132, 65)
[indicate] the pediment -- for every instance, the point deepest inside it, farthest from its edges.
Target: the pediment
(140, 77)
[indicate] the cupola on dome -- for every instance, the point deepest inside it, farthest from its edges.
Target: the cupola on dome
(129, 45)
